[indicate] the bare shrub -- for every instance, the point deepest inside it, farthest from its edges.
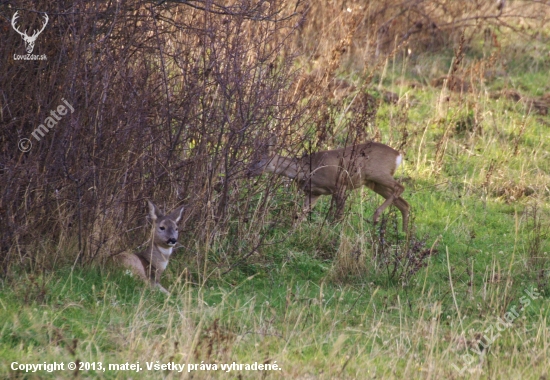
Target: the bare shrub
(400, 259)
(170, 102)
(381, 250)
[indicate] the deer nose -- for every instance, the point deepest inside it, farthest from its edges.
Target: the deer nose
(171, 241)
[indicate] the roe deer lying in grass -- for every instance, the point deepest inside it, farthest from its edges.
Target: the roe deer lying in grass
(151, 262)
(332, 172)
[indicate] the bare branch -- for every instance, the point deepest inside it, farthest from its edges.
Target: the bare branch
(260, 11)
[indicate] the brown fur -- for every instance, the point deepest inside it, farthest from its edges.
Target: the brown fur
(333, 172)
(152, 261)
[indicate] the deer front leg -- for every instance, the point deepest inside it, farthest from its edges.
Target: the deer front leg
(339, 203)
(162, 289)
(309, 202)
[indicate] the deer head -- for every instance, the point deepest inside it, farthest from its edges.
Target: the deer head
(262, 158)
(165, 226)
(29, 40)
(258, 166)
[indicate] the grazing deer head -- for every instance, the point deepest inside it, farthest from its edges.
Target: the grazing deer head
(333, 172)
(29, 40)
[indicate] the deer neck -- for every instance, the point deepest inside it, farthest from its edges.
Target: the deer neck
(286, 166)
(157, 255)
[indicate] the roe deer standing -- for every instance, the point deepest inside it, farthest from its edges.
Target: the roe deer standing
(151, 262)
(332, 172)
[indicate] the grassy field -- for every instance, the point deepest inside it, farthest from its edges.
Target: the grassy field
(343, 301)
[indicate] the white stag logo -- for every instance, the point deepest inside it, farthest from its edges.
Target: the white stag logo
(29, 40)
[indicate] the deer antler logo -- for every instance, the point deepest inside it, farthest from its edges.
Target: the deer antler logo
(29, 40)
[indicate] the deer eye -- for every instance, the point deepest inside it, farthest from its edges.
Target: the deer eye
(162, 228)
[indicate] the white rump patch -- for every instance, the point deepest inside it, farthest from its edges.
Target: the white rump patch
(398, 161)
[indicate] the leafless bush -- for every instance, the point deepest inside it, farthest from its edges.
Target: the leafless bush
(400, 259)
(170, 102)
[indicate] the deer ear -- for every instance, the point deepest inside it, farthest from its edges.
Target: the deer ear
(154, 212)
(176, 214)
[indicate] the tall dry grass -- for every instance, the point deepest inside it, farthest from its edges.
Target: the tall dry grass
(376, 28)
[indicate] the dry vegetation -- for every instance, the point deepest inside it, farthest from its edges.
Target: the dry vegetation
(172, 101)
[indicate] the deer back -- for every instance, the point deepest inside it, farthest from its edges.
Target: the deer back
(353, 167)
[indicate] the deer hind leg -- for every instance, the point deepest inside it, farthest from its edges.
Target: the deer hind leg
(391, 190)
(133, 263)
(404, 207)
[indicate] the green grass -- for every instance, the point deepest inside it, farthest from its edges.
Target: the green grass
(314, 299)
